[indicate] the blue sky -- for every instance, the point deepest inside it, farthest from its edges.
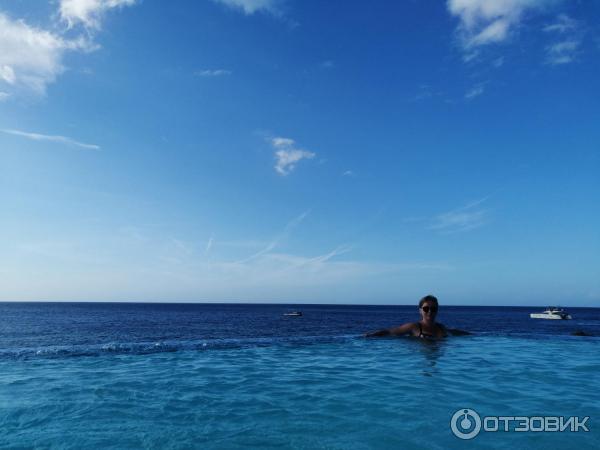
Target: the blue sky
(300, 151)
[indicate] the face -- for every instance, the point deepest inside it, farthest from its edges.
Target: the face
(428, 311)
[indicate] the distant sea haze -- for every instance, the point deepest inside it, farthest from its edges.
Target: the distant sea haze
(94, 328)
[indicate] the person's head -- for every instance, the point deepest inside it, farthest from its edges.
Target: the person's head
(428, 307)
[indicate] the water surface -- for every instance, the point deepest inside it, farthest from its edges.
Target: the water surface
(234, 376)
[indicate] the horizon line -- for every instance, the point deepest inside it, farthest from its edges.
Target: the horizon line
(277, 303)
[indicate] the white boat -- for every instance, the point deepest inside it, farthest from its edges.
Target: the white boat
(293, 314)
(552, 313)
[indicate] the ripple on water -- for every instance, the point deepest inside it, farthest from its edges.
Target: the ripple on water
(354, 393)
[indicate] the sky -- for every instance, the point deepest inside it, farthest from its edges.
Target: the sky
(300, 151)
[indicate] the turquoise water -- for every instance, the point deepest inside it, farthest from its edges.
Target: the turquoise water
(344, 393)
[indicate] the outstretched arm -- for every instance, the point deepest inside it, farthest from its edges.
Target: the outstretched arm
(457, 332)
(452, 331)
(397, 331)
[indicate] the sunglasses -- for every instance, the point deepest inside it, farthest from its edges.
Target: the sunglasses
(433, 309)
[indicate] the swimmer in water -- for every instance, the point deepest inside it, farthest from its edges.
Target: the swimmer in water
(426, 328)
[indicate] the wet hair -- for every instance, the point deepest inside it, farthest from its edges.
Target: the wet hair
(428, 298)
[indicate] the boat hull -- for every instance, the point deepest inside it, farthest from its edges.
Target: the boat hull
(549, 316)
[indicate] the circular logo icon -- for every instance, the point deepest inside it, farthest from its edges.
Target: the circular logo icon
(465, 423)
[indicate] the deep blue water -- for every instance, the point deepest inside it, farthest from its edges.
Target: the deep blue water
(76, 375)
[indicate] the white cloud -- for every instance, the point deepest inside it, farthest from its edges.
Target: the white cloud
(213, 73)
(7, 74)
(348, 173)
(566, 50)
(89, 13)
(461, 219)
(50, 138)
(475, 91)
(562, 52)
(485, 22)
(287, 154)
(30, 57)
(563, 24)
(4, 96)
(252, 6)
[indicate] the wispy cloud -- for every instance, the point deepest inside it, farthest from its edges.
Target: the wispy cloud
(565, 50)
(563, 24)
(465, 218)
(182, 246)
(426, 91)
(470, 55)
(51, 138)
(4, 96)
(562, 52)
(288, 154)
(498, 62)
(340, 250)
(89, 13)
(274, 268)
(278, 239)
(253, 6)
(475, 91)
(153, 266)
(348, 173)
(213, 72)
(484, 22)
(176, 251)
(209, 245)
(244, 244)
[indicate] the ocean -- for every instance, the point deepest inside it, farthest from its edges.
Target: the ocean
(233, 376)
